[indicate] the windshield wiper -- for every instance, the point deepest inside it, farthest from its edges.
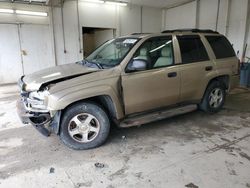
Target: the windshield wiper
(95, 63)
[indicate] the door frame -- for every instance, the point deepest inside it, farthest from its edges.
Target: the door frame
(96, 28)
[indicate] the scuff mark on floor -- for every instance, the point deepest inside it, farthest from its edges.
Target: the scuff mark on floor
(227, 146)
(244, 155)
(2, 114)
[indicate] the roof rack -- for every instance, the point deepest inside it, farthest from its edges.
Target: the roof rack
(140, 33)
(191, 30)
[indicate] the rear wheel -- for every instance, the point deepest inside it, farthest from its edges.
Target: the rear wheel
(84, 126)
(214, 97)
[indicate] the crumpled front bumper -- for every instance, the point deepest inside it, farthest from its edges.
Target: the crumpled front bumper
(37, 119)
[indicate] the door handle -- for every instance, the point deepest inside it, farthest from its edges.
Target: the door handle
(209, 68)
(172, 74)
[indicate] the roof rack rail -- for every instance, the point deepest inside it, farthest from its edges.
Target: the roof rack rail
(140, 33)
(191, 30)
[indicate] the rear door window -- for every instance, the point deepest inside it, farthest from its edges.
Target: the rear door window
(221, 46)
(192, 49)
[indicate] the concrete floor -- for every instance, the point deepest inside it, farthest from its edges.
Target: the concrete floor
(192, 150)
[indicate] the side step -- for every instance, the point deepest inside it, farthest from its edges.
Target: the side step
(155, 116)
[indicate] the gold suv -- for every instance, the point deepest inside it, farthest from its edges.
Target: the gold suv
(129, 81)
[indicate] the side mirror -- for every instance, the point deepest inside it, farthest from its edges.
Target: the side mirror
(137, 65)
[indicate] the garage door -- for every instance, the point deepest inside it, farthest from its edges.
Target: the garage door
(37, 50)
(10, 57)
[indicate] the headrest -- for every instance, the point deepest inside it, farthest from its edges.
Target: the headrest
(143, 52)
(166, 52)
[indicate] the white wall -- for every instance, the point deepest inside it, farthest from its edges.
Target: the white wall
(97, 15)
(231, 21)
(12, 18)
(65, 48)
(150, 20)
(130, 20)
(181, 16)
(125, 20)
(207, 14)
(248, 32)
(33, 39)
(237, 24)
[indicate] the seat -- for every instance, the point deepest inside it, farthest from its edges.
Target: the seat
(166, 57)
(143, 54)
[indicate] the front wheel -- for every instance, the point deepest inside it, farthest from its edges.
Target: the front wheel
(84, 126)
(214, 98)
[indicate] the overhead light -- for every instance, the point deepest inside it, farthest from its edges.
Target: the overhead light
(93, 1)
(11, 11)
(116, 3)
(31, 13)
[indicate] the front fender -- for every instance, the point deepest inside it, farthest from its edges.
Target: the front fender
(61, 102)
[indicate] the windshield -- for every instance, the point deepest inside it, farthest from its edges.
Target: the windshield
(112, 52)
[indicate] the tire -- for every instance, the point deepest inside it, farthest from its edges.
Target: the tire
(214, 98)
(84, 126)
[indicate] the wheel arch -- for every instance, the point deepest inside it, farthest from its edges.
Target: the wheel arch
(105, 101)
(224, 79)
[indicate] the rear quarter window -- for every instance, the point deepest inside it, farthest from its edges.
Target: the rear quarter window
(221, 46)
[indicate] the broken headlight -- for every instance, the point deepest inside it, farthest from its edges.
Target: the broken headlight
(38, 99)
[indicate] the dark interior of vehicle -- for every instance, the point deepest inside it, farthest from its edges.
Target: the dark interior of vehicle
(157, 52)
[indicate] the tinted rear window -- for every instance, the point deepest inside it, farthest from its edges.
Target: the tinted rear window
(221, 46)
(192, 49)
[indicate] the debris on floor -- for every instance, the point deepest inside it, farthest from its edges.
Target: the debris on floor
(123, 137)
(52, 170)
(99, 165)
(191, 185)
(85, 184)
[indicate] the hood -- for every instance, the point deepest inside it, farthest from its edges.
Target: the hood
(36, 80)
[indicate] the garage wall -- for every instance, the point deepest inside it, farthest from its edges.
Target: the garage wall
(10, 18)
(125, 20)
(237, 24)
(232, 19)
(26, 43)
(150, 20)
(181, 17)
(10, 57)
(62, 45)
(207, 14)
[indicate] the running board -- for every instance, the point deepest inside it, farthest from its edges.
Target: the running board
(155, 116)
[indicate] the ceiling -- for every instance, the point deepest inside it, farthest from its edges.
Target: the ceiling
(158, 3)
(151, 3)
(27, 1)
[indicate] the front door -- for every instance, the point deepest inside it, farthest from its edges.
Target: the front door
(156, 87)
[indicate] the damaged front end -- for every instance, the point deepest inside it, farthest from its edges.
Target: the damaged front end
(32, 109)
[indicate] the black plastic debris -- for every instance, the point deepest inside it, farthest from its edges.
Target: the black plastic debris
(191, 185)
(52, 170)
(99, 165)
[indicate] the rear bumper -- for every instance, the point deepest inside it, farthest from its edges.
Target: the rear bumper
(38, 120)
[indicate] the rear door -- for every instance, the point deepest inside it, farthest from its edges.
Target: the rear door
(224, 55)
(196, 68)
